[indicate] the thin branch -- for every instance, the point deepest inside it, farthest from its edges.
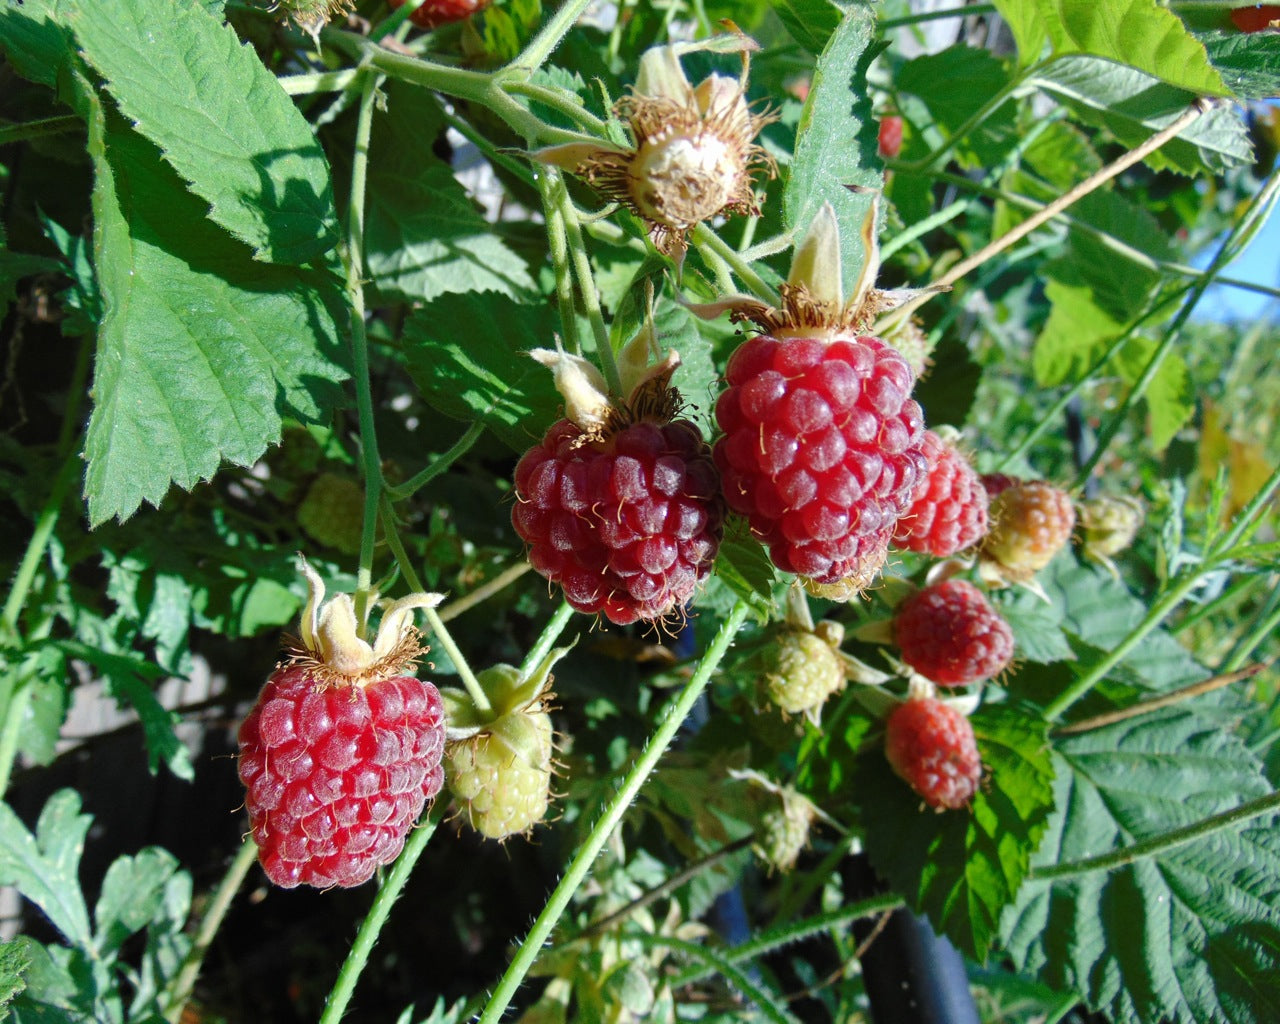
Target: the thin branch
(1165, 700)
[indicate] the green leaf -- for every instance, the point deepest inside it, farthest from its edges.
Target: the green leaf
(36, 41)
(1076, 334)
(1134, 106)
(1037, 634)
(1120, 280)
(45, 867)
(810, 22)
(481, 371)
(1170, 397)
(962, 868)
(129, 680)
(59, 989)
(220, 118)
(15, 958)
(744, 567)
(1139, 33)
(956, 84)
(133, 894)
(1249, 62)
(202, 349)
(424, 236)
(1062, 155)
(1028, 27)
(836, 142)
(1188, 937)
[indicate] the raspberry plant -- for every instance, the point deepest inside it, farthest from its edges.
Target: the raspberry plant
(272, 277)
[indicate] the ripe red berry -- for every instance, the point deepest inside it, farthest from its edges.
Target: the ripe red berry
(1031, 521)
(951, 634)
(1256, 19)
(948, 510)
(337, 773)
(438, 12)
(932, 747)
(627, 524)
(890, 136)
(821, 449)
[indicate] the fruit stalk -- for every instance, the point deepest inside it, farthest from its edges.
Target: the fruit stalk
(439, 464)
(541, 46)
(578, 868)
(550, 634)
(340, 995)
(558, 247)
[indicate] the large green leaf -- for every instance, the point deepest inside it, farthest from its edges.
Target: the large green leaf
(423, 234)
(1027, 24)
(1139, 33)
(15, 958)
(467, 355)
(35, 39)
(956, 84)
(1134, 106)
(836, 142)
(1170, 397)
(1075, 336)
(202, 349)
(1249, 62)
(1188, 937)
(133, 894)
(221, 119)
(810, 22)
(962, 868)
(45, 867)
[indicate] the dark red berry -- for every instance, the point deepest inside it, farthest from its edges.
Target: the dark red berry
(627, 526)
(948, 510)
(890, 136)
(932, 747)
(437, 12)
(1255, 19)
(821, 449)
(338, 773)
(951, 634)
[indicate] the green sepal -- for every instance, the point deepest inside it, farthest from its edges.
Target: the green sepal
(509, 695)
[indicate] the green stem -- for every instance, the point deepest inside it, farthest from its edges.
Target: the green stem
(672, 884)
(962, 11)
(1229, 249)
(438, 464)
(482, 593)
(388, 892)
(1264, 625)
(320, 81)
(360, 346)
(547, 640)
(39, 129)
(704, 237)
(443, 638)
(674, 714)
(587, 290)
(178, 991)
(1244, 520)
(776, 938)
(541, 46)
(562, 100)
(1154, 846)
(1155, 615)
(558, 247)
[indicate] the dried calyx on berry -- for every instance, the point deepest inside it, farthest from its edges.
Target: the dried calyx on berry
(620, 503)
(693, 156)
(499, 756)
(1110, 524)
(822, 445)
(342, 749)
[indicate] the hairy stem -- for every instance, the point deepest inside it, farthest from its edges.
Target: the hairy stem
(541, 46)
(558, 247)
(335, 1006)
(674, 714)
(482, 593)
(547, 639)
(1154, 846)
(354, 258)
(706, 239)
(178, 991)
(439, 464)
